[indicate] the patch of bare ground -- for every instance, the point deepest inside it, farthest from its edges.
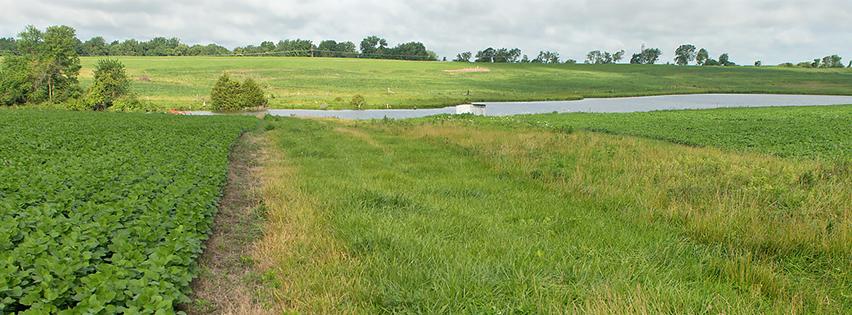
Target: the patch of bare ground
(469, 70)
(228, 281)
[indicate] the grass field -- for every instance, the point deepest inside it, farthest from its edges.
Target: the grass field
(823, 132)
(460, 216)
(185, 82)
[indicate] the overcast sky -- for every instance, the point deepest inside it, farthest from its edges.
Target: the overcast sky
(770, 30)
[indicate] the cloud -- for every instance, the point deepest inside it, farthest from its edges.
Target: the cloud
(770, 30)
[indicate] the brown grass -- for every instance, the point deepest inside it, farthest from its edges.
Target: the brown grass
(224, 286)
(469, 70)
(305, 268)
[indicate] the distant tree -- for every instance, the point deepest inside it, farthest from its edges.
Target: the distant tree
(702, 56)
(358, 101)
(833, 61)
(8, 46)
(110, 83)
(758, 63)
(266, 47)
(327, 48)
(373, 46)
(525, 59)
(463, 57)
(570, 61)
(486, 55)
(410, 51)
(547, 57)
(712, 62)
(618, 56)
(96, 46)
(684, 54)
(850, 65)
(646, 56)
(725, 60)
(594, 57)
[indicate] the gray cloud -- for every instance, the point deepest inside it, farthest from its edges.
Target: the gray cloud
(770, 30)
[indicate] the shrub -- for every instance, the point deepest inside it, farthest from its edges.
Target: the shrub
(110, 83)
(358, 101)
(231, 95)
(132, 103)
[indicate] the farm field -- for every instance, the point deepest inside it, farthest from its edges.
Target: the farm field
(822, 132)
(106, 213)
(598, 213)
(458, 215)
(313, 83)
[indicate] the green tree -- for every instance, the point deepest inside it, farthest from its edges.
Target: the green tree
(702, 56)
(252, 95)
(358, 102)
(646, 56)
(96, 46)
(225, 94)
(685, 54)
(725, 60)
(373, 46)
(833, 61)
(109, 84)
(463, 57)
(60, 63)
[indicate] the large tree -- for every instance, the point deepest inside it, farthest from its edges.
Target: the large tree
(373, 46)
(685, 54)
(110, 83)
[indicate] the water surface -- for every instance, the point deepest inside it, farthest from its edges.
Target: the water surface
(589, 105)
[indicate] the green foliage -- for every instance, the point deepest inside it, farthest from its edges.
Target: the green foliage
(131, 103)
(685, 54)
(702, 56)
(110, 83)
(597, 57)
(46, 68)
(358, 102)
(646, 56)
(106, 213)
(231, 95)
(463, 57)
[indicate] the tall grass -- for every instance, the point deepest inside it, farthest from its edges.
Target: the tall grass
(453, 218)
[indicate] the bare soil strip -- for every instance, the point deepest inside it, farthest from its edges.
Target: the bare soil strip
(228, 278)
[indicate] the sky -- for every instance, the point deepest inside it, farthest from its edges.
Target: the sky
(772, 31)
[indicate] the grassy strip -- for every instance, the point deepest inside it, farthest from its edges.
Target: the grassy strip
(821, 132)
(185, 82)
(458, 219)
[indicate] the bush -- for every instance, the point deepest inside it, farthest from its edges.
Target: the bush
(110, 84)
(231, 95)
(132, 103)
(358, 101)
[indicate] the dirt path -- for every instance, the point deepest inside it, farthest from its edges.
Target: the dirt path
(228, 279)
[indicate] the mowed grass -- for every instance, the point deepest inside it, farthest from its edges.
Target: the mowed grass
(823, 132)
(312, 83)
(457, 217)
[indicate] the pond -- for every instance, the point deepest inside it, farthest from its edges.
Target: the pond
(589, 105)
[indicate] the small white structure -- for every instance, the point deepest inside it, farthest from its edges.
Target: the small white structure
(475, 109)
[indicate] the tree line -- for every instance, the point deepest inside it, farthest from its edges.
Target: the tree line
(45, 67)
(370, 47)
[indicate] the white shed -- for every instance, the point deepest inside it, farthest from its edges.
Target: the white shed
(475, 109)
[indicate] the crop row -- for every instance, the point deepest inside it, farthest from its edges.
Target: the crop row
(106, 213)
